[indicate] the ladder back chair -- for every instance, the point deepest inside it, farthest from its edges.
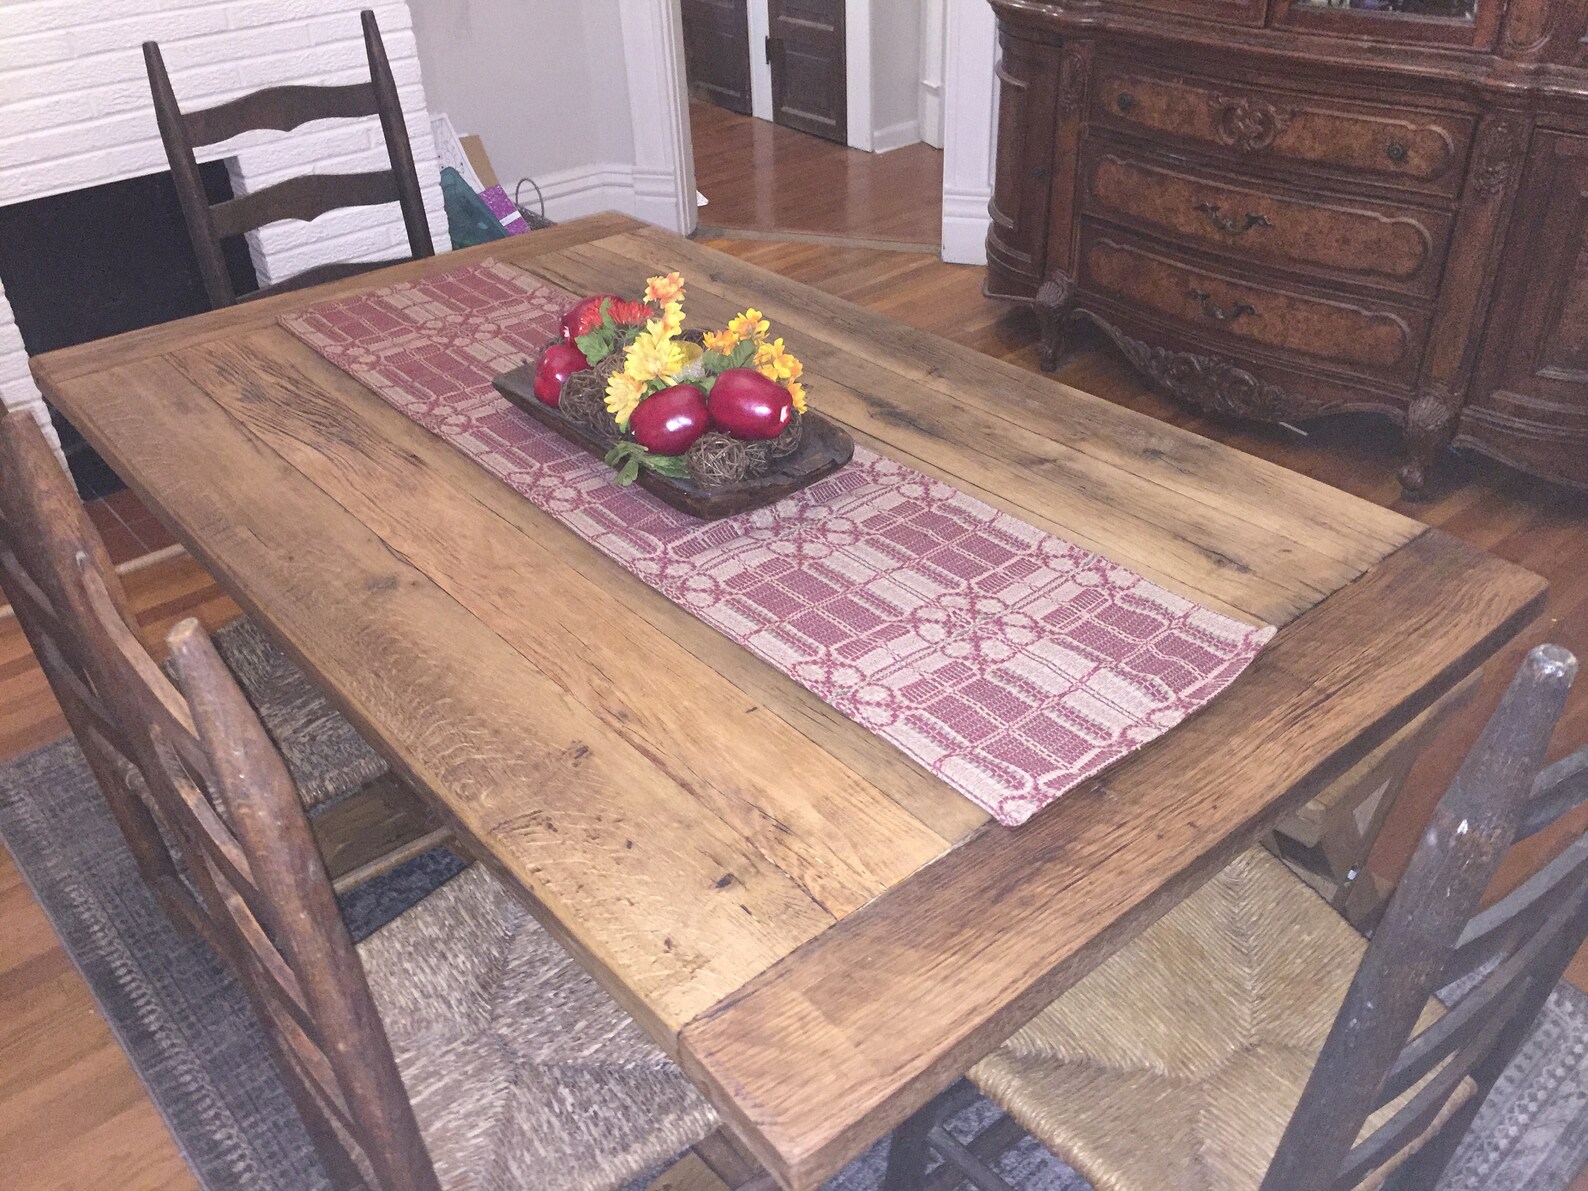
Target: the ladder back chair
(1250, 1040)
(457, 1047)
(44, 529)
(366, 820)
(305, 197)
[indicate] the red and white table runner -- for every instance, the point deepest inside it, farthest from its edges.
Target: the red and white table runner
(1009, 662)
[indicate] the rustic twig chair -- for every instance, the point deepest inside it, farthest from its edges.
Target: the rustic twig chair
(1252, 1040)
(367, 821)
(456, 1047)
(305, 197)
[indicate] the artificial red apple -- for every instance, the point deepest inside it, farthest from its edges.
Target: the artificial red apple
(747, 405)
(668, 423)
(556, 364)
(584, 316)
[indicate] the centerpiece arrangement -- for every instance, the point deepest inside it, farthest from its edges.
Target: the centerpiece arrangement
(713, 422)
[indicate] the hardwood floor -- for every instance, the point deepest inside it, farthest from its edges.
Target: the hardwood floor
(765, 178)
(72, 1114)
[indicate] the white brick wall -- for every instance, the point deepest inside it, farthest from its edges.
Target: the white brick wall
(75, 112)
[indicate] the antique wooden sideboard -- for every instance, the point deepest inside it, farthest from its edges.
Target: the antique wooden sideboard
(1280, 209)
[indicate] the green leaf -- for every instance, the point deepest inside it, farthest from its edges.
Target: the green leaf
(629, 472)
(596, 345)
(667, 465)
(742, 354)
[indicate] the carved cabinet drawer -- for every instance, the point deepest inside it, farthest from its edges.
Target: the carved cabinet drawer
(1358, 241)
(1378, 339)
(1395, 146)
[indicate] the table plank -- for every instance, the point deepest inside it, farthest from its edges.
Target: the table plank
(1158, 454)
(896, 1001)
(1229, 557)
(665, 902)
(131, 346)
(841, 838)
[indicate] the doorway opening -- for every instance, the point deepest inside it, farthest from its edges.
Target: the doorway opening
(817, 118)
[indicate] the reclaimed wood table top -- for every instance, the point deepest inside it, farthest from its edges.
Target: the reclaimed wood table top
(820, 931)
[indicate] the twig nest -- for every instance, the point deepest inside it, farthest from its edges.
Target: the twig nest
(788, 442)
(717, 459)
(584, 398)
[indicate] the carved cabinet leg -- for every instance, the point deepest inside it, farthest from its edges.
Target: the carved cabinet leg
(1430, 425)
(1053, 309)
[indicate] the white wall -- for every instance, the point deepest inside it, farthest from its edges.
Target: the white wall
(563, 93)
(970, 114)
(895, 72)
(542, 82)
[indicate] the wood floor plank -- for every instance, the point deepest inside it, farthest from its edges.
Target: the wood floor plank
(395, 650)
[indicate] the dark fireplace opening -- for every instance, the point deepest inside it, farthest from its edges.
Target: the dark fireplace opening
(100, 261)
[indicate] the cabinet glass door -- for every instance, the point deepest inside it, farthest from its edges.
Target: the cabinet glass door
(1442, 22)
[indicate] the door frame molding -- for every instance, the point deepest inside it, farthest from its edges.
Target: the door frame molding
(664, 153)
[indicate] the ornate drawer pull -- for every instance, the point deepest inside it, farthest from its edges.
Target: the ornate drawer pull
(1228, 223)
(1217, 313)
(1125, 102)
(1396, 152)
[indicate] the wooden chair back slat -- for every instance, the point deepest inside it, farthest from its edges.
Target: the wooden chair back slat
(1422, 1112)
(1469, 832)
(278, 108)
(43, 531)
(306, 197)
(1560, 788)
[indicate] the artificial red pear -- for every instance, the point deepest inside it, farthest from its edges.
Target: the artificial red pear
(747, 405)
(556, 364)
(669, 422)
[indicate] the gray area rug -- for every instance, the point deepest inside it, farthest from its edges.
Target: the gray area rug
(193, 1040)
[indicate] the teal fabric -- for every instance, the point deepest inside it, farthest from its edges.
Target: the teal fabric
(469, 220)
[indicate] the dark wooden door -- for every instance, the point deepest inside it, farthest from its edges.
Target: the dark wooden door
(717, 52)
(806, 50)
(1530, 402)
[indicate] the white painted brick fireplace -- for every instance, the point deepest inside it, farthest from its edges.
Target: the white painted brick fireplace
(75, 112)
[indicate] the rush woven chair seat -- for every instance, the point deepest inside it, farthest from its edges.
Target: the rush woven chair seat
(458, 1047)
(325, 754)
(1251, 1040)
(522, 1071)
(1177, 1064)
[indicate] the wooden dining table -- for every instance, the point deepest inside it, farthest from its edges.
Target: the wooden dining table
(820, 931)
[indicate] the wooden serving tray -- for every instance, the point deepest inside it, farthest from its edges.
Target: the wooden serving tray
(824, 448)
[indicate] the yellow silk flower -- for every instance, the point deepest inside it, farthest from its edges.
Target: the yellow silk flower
(751, 324)
(797, 392)
(672, 320)
(775, 362)
(665, 289)
(623, 394)
(722, 342)
(653, 354)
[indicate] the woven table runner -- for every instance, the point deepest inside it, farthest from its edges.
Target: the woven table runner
(1009, 662)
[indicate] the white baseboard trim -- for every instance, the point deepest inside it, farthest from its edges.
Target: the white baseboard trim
(965, 224)
(896, 136)
(586, 190)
